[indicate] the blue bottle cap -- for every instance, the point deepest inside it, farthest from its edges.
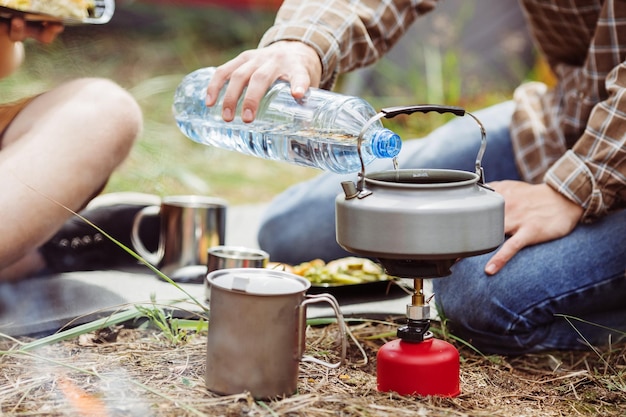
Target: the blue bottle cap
(386, 144)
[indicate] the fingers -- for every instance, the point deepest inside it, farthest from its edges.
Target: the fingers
(506, 252)
(48, 31)
(222, 75)
(533, 214)
(300, 83)
(17, 32)
(261, 81)
(254, 72)
(44, 32)
(245, 71)
(257, 85)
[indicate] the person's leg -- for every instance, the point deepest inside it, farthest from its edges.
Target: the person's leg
(78, 246)
(61, 148)
(521, 308)
(299, 224)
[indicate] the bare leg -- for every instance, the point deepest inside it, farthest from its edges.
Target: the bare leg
(62, 147)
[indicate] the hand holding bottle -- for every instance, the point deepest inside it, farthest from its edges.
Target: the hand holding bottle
(17, 29)
(321, 130)
(257, 69)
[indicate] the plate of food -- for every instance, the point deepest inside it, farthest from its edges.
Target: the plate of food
(69, 12)
(344, 277)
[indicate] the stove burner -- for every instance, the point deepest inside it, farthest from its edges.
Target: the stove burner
(410, 268)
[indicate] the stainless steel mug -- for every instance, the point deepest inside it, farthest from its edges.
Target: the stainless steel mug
(224, 257)
(256, 336)
(190, 225)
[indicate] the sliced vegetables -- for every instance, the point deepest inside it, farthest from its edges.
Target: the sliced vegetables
(344, 271)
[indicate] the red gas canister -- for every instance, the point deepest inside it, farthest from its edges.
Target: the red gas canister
(430, 367)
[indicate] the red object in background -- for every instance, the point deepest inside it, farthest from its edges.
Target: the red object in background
(423, 368)
(228, 4)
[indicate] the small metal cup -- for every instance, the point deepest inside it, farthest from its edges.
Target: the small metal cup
(227, 257)
(190, 224)
(257, 334)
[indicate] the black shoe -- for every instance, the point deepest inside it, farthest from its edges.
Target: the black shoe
(78, 246)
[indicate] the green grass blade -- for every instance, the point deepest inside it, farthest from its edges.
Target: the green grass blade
(92, 326)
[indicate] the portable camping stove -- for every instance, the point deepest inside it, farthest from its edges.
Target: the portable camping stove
(418, 223)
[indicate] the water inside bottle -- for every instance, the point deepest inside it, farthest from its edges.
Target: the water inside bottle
(333, 151)
(318, 132)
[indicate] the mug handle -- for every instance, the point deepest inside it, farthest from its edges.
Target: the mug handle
(152, 258)
(319, 298)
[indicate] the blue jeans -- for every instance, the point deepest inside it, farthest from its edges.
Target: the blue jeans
(523, 307)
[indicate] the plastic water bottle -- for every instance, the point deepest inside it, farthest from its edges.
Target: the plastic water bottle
(319, 131)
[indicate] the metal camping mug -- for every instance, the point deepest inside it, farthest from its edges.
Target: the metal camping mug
(190, 225)
(256, 336)
(224, 257)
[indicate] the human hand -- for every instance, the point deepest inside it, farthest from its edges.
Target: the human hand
(17, 29)
(257, 69)
(532, 214)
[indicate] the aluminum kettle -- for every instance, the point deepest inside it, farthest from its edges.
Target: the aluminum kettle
(419, 222)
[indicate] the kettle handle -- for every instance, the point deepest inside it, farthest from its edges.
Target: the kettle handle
(391, 112)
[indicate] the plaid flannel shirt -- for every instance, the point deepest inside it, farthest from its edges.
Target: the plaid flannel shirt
(573, 136)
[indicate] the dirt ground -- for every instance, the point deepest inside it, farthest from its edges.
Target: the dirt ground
(131, 372)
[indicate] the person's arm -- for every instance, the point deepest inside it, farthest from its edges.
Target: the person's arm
(593, 173)
(585, 184)
(310, 43)
(13, 32)
(345, 34)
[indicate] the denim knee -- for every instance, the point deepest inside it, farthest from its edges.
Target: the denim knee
(544, 296)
